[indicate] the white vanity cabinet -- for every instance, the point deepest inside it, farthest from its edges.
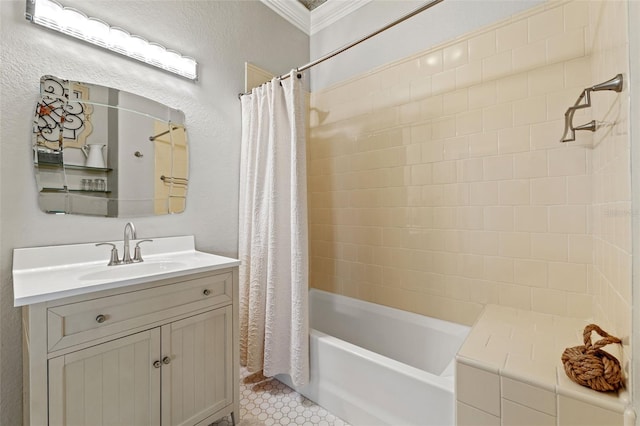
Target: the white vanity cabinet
(159, 353)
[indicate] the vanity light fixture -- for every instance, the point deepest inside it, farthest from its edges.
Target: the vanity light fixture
(74, 23)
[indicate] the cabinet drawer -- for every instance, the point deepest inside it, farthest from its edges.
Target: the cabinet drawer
(80, 322)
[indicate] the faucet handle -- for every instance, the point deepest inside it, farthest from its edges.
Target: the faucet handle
(114, 254)
(137, 253)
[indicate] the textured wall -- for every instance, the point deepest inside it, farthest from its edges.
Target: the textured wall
(221, 35)
(438, 183)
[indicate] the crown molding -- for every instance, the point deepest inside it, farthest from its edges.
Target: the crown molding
(293, 11)
(332, 11)
(319, 18)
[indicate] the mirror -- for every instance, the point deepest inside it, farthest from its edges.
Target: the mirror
(106, 152)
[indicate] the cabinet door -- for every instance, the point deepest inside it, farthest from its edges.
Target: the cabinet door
(197, 378)
(114, 383)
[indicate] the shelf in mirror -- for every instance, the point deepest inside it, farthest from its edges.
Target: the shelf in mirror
(72, 167)
(64, 190)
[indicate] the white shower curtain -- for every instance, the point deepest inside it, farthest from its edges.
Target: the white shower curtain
(273, 241)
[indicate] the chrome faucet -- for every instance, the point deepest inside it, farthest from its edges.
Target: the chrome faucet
(131, 235)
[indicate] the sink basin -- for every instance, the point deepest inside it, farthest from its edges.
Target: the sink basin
(132, 270)
(43, 274)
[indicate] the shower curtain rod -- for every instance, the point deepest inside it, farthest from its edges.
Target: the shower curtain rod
(336, 52)
(365, 38)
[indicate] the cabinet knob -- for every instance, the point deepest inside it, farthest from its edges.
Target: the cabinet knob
(101, 318)
(157, 364)
(166, 360)
(206, 292)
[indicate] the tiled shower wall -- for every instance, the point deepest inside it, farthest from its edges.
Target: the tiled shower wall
(437, 184)
(612, 210)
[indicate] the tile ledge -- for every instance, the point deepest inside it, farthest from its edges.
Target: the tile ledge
(618, 402)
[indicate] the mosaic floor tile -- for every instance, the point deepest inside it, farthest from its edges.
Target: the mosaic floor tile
(265, 401)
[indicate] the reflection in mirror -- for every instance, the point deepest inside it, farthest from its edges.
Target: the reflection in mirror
(105, 152)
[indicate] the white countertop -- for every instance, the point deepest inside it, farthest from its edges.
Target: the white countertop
(41, 274)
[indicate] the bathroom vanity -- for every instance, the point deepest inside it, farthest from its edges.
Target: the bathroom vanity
(152, 343)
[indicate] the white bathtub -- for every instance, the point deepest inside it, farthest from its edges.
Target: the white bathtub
(374, 365)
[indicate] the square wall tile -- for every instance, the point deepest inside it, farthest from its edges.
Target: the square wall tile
(420, 88)
(566, 46)
(469, 123)
(549, 190)
(431, 63)
(570, 277)
(514, 414)
(568, 219)
(567, 161)
(445, 172)
(530, 111)
(498, 167)
(579, 189)
(581, 249)
(576, 15)
(512, 36)
(471, 170)
(497, 66)
(467, 415)
(515, 296)
(573, 412)
(456, 55)
(546, 79)
(482, 46)
(498, 269)
(530, 56)
(530, 164)
(483, 144)
(482, 95)
(547, 246)
(512, 87)
(497, 117)
(532, 396)
(546, 24)
(478, 388)
(513, 192)
(513, 139)
(431, 107)
(549, 301)
(515, 244)
(532, 273)
(443, 82)
(531, 218)
(483, 193)
(455, 102)
(469, 74)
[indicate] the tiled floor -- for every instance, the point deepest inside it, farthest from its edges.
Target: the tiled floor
(265, 402)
